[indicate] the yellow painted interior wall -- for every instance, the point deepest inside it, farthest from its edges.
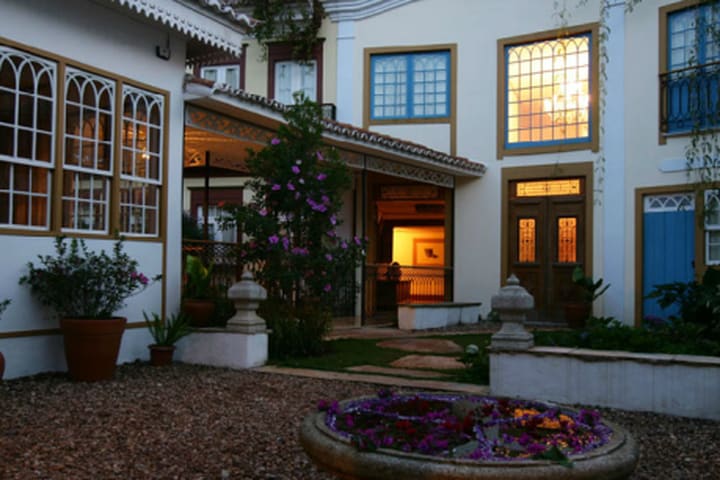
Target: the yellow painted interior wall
(404, 241)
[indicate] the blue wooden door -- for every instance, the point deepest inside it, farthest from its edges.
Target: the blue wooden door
(668, 245)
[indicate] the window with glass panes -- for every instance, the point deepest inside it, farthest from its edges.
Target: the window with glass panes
(692, 80)
(712, 227)
(27, 129)
(292, 77)
(225, 74)
(410, 85)
(89, 177)
(547, 92)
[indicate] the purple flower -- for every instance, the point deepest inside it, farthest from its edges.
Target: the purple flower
(286, 243)
(295, 169)
(319, 156)
(328, 257)
(273, 239)
(357, 240)
(321, 176)
(344, 245)
(275, 141)
(327, 287)
(325, 199)
(297, 195)
(263, 212)
(276, 187)
(333, 219)
(536, 448)
(290, 186)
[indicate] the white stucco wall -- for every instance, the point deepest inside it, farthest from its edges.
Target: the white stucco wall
(86, 33)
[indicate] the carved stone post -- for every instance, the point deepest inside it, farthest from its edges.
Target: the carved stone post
(512, 303)
(247, 295)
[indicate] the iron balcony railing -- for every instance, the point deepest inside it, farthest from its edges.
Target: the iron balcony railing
(386, 286)
(689, 98)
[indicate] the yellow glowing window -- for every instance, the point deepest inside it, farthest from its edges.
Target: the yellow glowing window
(526, 240)
(545, 188)
(548, 92)
(567, 239)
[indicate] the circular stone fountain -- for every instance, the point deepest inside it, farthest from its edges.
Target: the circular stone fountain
(602, 451)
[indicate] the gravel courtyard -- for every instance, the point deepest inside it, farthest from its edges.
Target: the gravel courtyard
(191, 422)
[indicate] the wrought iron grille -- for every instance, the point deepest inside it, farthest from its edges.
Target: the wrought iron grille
(689, 98)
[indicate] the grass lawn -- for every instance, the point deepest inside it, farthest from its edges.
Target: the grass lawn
(350, 352)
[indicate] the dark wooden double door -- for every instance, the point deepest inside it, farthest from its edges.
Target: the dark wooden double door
(547, 241)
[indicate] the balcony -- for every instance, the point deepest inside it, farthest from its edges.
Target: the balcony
(689, 99)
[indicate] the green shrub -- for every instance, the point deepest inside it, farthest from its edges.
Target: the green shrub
(295, 332)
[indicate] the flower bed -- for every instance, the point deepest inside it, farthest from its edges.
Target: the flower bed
(462, 436)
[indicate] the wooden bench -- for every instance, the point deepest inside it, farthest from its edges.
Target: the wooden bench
(421, 316)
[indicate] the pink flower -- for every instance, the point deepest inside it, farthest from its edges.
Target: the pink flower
(263, 212)
(275, 141)
(327, 287)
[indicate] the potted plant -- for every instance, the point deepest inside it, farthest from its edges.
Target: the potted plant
(588, 291)
(85, 289)
(165, 334)
(3, 305)
(198, 303)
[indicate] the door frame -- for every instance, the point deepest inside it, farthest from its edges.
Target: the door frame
(540, 172)
(700, 266)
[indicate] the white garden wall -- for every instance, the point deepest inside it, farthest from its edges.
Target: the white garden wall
(684, 385)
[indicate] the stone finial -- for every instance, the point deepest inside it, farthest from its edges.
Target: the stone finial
(512, 304)
(247, 295)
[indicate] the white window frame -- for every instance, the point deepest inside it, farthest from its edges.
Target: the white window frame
(221, 74)
(39, 68)
(297, 81)
(711, 196)
(89, 175)
(135, 178)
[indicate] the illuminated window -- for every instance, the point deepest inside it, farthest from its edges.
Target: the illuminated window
(88, 160)
(567, 239)
(526, 240)
(27, 128)
(142, 146)
(545, 188)
(547, 92)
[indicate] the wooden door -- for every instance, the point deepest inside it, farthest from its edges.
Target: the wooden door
(547, 241)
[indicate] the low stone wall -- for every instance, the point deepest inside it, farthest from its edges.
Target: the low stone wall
(223, 348)
(421, 316)
(684, 385)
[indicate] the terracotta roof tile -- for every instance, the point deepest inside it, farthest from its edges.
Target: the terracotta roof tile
(353, 132)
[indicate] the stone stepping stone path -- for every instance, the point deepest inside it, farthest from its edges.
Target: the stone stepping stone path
(403, 372)
(434, 362)
(422, 345)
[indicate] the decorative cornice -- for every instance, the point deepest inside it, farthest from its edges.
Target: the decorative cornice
(176, 15)
(340, 10)
(346, 132)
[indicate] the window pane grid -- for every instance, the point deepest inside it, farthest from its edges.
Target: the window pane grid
(141, 170)
(292, 77)
(410, 85)
(27, 127)
(526, 240)
(85, 202)
(548, 91)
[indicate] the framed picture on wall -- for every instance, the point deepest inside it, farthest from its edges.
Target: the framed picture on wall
(429, 252)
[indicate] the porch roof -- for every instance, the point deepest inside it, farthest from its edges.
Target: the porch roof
(342, 132)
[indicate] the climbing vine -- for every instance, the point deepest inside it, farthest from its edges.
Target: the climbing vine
(294, 22)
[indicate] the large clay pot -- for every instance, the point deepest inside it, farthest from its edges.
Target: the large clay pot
(2, 365)
(92, 346)
(577, 313)
(161, 355)
(199, 311)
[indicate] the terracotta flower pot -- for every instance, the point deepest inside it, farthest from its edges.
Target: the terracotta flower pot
(577, 313)
(199, 311)
(161, 355)
(92, 346)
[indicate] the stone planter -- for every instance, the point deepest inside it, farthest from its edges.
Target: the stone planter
(614, 460)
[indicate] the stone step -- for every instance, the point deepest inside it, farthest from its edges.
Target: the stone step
(402, 372)
(433, 362)
(422, 345)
